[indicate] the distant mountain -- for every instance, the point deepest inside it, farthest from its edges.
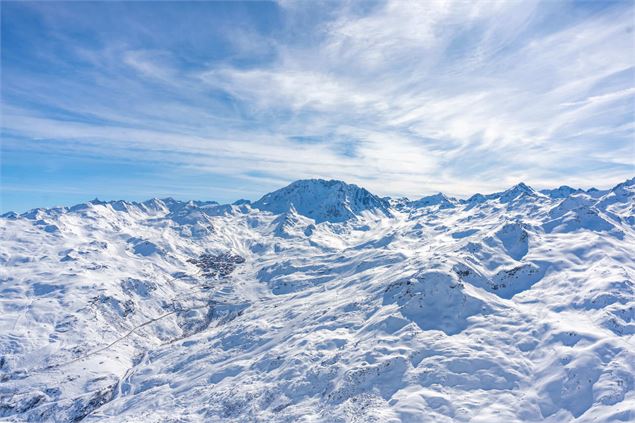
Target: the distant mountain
(476, 198)
(561, 192)
(439, 199)
(323, 201)
(514, 193)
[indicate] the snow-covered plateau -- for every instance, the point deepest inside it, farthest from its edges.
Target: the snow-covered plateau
(322, 302)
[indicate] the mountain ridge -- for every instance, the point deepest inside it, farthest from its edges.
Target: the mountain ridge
(381, 204)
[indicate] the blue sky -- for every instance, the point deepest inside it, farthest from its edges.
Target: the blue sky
(213, 100)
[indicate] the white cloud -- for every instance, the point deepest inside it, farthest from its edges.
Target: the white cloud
(428, 96)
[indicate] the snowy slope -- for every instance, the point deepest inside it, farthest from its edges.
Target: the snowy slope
(322, 302)
(332, 201)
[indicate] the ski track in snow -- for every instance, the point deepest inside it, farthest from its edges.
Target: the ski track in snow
(322, 302)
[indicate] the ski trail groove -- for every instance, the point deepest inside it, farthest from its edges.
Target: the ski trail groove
(130, 332)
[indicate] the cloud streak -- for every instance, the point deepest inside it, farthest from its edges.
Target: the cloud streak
(402, 98)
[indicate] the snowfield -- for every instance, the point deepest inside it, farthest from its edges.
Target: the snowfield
(322, 302)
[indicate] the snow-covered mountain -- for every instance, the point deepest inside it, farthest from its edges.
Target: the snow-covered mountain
(440, 200)
(322, 302)
(562, 192)
(323, 201)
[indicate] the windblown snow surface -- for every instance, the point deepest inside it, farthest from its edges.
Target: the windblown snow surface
(322, 302)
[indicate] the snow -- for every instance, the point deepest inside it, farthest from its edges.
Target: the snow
(439, 200)
(563, 191)
(322, 302)
(332, 201)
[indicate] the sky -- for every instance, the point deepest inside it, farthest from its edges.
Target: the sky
(228, 100)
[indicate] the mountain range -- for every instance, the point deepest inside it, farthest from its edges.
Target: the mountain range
(322, 302)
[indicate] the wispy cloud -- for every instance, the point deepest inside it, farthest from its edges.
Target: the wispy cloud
(404, 98)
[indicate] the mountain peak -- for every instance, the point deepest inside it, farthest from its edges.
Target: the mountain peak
(522, 187)
(439, 199)
(518, 190)
(323, 200)
(561, 192)
(476, 198)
